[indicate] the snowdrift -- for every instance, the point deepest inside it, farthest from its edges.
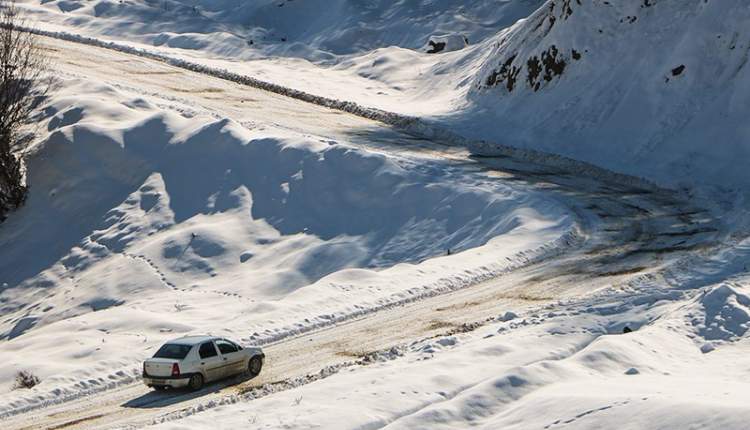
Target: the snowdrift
(144, 223)
(722, 313)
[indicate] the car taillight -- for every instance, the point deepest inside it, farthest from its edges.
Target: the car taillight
(175, 370)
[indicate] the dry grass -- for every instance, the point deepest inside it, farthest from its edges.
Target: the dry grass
(25, 379)
(438, 324)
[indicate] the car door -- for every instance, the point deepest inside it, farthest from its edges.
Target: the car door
(232, 355)
(211, 362)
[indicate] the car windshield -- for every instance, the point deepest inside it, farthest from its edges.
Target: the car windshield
(172, 350)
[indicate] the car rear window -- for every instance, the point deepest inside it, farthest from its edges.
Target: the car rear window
(173, 350)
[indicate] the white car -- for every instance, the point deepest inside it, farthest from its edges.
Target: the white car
(192, 361)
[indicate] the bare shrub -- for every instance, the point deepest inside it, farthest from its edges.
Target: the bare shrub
(22, 67)
(25, 379)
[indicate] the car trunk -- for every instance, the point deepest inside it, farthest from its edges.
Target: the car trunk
(159, 367)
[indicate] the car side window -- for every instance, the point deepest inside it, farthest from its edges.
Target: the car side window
(207, 350)
(226, 347)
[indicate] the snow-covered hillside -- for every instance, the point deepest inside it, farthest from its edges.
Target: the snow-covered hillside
(656, 88)
(393, 278)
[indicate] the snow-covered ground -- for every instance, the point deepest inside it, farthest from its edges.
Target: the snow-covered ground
(562, 367)
(167, 202)
(257, 232)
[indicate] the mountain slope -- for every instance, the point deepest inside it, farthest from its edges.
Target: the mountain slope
(654, 88)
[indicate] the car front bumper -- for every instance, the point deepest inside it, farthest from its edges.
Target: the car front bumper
(166, 382)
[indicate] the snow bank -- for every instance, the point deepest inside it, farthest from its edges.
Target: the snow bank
(722, 313)
(561, 369)
(283, 233)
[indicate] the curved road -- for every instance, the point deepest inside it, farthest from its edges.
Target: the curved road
(625, 232)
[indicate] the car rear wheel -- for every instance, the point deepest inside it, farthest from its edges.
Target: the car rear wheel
(196, 382)
(254, 366)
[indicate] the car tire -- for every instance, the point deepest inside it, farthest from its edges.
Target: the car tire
(196, 382)
(254, 366)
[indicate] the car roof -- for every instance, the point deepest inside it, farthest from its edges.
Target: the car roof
(193, 340)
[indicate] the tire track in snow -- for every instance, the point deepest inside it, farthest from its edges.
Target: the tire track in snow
(256, 392)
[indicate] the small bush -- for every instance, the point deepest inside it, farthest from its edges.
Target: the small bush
(25, 379)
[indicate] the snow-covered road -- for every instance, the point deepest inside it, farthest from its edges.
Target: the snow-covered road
(629, 232)
(619, 233)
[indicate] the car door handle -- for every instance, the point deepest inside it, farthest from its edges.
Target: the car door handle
(203, 363)
(225, 359)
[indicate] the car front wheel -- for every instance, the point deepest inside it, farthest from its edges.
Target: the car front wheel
(196, 382)
(254, 366)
